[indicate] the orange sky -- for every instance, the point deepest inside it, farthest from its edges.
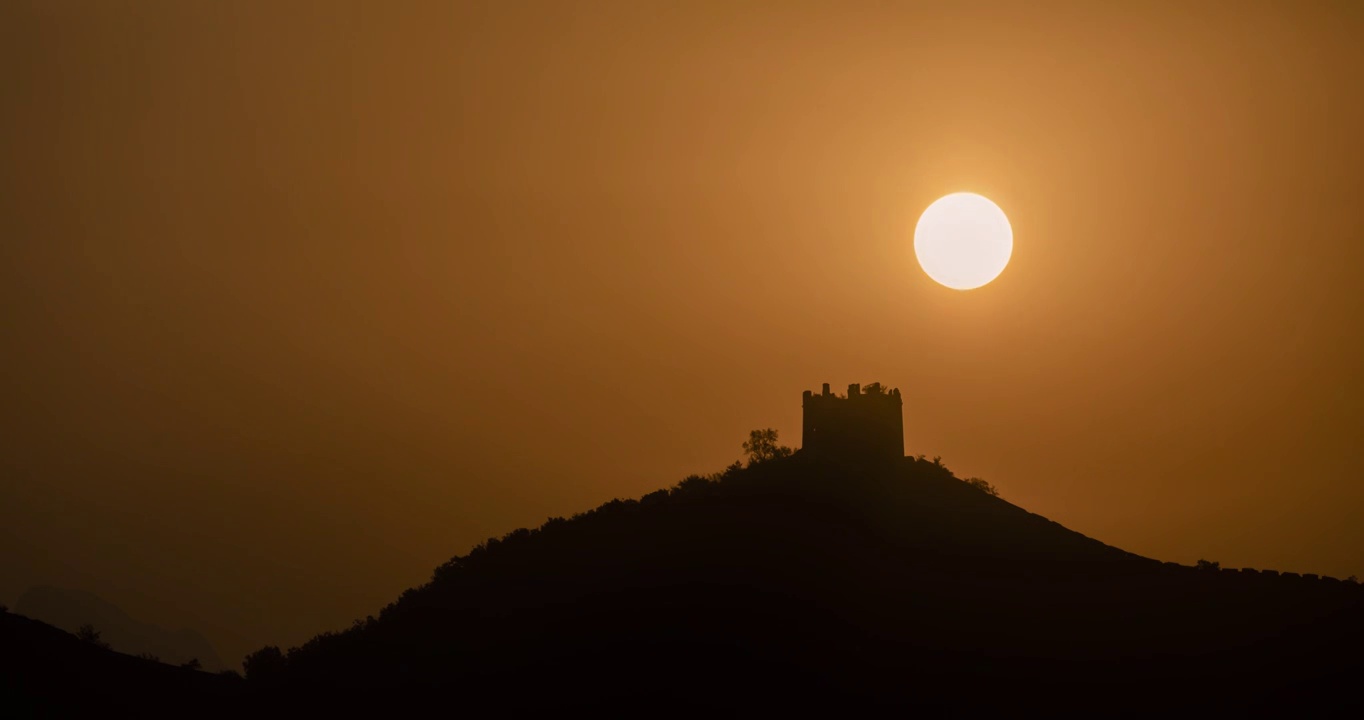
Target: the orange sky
(298, 300)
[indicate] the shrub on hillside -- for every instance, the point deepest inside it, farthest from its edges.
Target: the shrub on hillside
(88, 633)
(762, 446)
(265, 666)
(982, 486)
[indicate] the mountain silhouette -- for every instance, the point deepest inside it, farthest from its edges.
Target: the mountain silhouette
(48, 672)
(70, 609)
(806, 583)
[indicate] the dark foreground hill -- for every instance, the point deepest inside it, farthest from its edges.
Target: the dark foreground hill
(796, 584)
(70, 609)
(799, 585)
(48, 672)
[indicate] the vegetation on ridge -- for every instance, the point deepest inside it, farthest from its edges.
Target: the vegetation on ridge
(765, 474)
(87, 633)
(784, 582)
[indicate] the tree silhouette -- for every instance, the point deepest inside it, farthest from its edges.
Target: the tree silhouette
(264, 666)
(192, 664)
(982, 486)
(88, 633)
(1209, 565)
(762, 446)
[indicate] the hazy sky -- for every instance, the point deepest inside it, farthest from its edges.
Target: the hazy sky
(299, 300)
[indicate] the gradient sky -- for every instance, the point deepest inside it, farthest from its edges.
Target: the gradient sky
(299, 300)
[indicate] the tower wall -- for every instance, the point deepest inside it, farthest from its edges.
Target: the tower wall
(861, 424)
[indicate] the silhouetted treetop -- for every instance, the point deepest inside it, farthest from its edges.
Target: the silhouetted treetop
(762, 446)
(265, 666)
(982, 486)
(875, 388)
(88, 633)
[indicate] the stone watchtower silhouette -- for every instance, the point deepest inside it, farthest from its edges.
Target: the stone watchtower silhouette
(864, 424)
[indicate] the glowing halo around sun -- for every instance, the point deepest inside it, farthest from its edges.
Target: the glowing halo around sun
(963, 241)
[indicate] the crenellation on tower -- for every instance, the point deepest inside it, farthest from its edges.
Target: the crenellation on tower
(865, 423)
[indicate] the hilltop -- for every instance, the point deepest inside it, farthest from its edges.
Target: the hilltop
(800, 582)
(796, 583)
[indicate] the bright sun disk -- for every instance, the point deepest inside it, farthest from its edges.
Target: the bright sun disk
(963, 241)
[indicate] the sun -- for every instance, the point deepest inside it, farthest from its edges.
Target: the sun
(963, 241)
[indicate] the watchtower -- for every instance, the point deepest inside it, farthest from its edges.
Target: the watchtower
(866, 423)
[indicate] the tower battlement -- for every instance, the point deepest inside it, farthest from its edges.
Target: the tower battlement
(865, 423)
